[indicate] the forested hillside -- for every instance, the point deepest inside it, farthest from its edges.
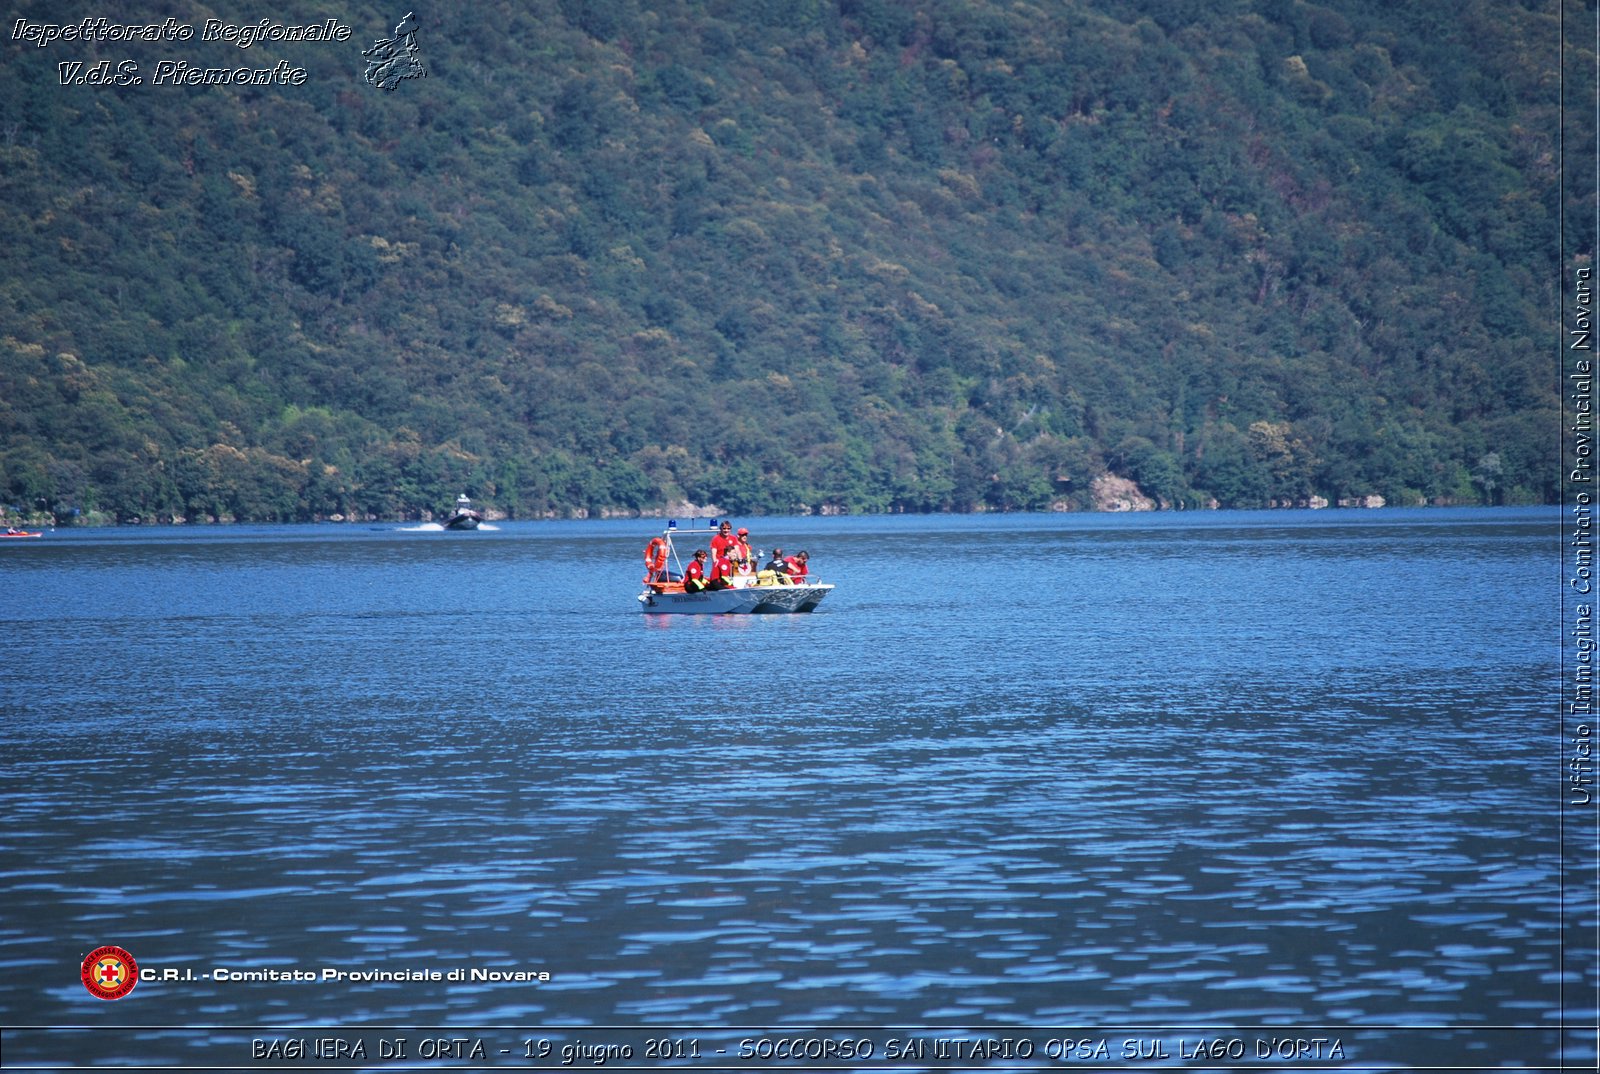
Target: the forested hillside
(785, 255)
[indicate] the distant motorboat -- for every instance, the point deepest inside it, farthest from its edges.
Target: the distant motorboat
(465, 516)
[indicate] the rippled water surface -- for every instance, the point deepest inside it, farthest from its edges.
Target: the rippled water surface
(1277, 769)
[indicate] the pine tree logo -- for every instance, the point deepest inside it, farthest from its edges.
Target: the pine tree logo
(392, 60)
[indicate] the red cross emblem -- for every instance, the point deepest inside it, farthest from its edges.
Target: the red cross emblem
(109, 973)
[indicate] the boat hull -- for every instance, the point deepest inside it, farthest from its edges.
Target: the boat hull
(749, 600)
(462, 522)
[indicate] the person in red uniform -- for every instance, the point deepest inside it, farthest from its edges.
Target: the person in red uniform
(722, 571)
(723, 541)
(744, 557)
(694, 574)
(797, 567)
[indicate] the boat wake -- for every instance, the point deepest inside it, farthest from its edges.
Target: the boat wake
(435, 527)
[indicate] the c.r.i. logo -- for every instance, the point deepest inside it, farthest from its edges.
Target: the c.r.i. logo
(109, 973)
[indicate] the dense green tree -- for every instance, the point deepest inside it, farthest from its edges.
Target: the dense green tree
(873, 255)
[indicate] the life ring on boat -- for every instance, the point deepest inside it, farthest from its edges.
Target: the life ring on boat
(655, 555)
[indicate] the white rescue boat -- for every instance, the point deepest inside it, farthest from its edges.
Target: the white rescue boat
(759, 592)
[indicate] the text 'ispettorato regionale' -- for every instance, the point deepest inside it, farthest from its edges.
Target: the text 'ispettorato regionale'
(177, 72)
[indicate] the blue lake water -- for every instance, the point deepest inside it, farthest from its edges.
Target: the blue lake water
(1141, 780)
